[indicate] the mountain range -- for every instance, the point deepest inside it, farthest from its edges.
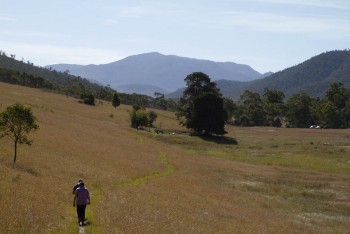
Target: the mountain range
(312, 76)
(154, 72)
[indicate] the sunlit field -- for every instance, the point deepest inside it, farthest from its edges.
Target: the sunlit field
(255, 180)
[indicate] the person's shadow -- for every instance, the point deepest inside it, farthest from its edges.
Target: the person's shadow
(87, 222)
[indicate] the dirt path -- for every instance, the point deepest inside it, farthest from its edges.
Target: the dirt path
(138, 181)
(154, 175)
(81, 230)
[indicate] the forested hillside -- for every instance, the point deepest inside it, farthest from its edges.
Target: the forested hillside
(26, 74)
(312, 77)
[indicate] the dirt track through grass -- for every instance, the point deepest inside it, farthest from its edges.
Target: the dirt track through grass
(154, 175)
(275, 180)
(137, 181)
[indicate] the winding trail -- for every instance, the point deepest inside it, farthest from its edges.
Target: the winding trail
(138, 181)
(154, 175)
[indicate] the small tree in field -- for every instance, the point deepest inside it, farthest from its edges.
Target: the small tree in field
(16, 122)
(141, 118)
(115, 100)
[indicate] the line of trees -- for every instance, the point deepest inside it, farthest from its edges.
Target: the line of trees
(203, 109)
(300, 110)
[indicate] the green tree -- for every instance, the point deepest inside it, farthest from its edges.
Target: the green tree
(251, 106)
(339, 97)
(141, 118)
(273, 106)
(88, 99)
(160, 101)
(347, 112)
(298, 110)
(201, 106)
(209, 115)
(316, 107)
(171, 105)
(105, 93)
(115, 100)
(16, 122)
(152, 116)
(230, 107)
(337, 94)
(330, 115)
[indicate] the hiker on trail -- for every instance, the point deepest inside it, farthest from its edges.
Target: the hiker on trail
(77, 185)
(81, 199)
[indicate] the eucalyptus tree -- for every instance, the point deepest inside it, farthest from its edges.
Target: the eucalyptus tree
(201, 106)
(16, 122)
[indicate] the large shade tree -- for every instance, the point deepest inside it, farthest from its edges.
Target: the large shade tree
(201, 106)
(298, 110)
(16, 122)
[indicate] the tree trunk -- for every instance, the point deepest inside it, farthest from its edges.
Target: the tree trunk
(14, 159)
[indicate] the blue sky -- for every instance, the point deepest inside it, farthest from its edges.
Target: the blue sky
(268, 35)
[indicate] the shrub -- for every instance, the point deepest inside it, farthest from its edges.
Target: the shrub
(88, 99)
(142, 118)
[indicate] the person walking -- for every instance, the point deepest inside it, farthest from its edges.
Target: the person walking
(77, 185)
(81, 199)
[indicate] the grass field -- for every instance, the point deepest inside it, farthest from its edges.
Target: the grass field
(256, 180)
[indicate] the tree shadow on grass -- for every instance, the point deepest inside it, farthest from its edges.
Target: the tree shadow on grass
(219, 139)
(23, 168)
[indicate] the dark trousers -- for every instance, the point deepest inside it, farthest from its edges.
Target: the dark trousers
(81, 212)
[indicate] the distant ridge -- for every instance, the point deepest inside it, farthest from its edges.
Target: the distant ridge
(312, 77)
(163, 72)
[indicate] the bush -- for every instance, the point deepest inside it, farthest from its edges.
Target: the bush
(142, 118)
(138, 118)
(152, 116)
(88, 99)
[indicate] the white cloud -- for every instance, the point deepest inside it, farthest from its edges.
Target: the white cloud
(33, 34)
(268, 22)
(149, 9)
(336, 4)
(7, 18)
(111, 22)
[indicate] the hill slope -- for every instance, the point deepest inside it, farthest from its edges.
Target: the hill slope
(148, 183)
(164, 71)
(312, 76)
(17, 72)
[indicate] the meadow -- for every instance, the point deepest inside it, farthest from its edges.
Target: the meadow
(254, 180)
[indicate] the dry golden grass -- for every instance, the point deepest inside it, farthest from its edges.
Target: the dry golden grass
(272, 181)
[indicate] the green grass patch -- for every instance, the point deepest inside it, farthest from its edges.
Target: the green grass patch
(284, 151)
(144, 179)
(332, 162)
